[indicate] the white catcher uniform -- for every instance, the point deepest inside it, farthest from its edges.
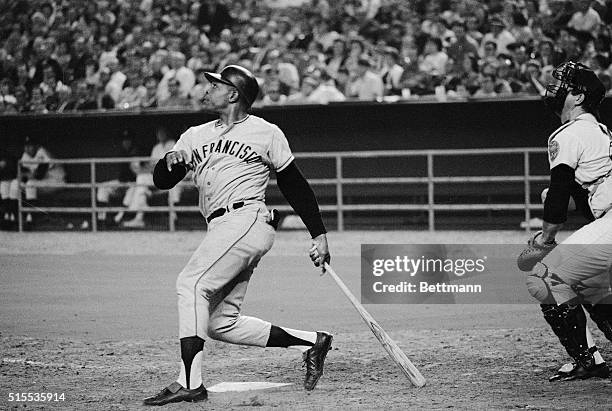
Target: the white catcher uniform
(231, 171)
(582, 262)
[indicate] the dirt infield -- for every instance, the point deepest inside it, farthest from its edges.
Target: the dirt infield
(94, 317)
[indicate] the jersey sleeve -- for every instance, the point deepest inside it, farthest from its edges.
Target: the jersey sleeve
(184, 143)
(279, 153)
(564, 148)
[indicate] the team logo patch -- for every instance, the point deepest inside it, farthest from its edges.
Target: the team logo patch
(553, 150)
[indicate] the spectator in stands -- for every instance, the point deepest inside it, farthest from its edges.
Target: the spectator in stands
(44, 53)
(309, 84)
(144, 180)
(21, 100)
(472, 25)
(79, 58)
(273, 95)
(462, 45)
(134, 93)
(487, 88)
(145, 36)
(364, 83)
(499, 34)
(342, 80)
(326, 92)
(585, 19)
(356, 51)
(434, 58)
(337, 58)
(533, 83)
(174, 100)
(103, 99)
(200, 58)
(38, 173)
(9, 190)
(213, 16)
(23, 78)
(183, 75)
(116, 81)
(92, 72)
(506, 82)
(548, 54)
(150, 99)
(489, 52)
(37, 102)
(83, 97)
(391, 72)
(64, 98)
(287, 72)
(6, 91)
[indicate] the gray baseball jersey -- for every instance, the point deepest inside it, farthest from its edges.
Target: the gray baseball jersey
(233, 164)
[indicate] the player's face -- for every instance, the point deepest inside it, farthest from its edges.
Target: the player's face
(30, 149)
(217, 96)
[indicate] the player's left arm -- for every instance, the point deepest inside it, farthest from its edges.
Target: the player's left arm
(299, 195)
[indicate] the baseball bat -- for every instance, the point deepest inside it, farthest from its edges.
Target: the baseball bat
(396, 354)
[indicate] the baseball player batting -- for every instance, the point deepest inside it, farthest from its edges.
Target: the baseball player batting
(231, 159)
(575, 274)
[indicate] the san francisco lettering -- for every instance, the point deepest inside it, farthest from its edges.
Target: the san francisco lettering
(233, 148)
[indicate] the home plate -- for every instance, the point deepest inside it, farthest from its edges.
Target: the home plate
(244, 386)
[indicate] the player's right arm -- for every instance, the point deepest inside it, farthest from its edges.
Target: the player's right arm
(173, 167)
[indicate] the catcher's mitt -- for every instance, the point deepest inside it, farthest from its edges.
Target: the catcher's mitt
(534, 253)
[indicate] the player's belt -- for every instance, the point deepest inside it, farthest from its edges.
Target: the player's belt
(221, 211)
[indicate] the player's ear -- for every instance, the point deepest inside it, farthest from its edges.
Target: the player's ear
(234, 96)
(580, 98)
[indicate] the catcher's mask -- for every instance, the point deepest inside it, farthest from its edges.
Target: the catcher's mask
(578, 79)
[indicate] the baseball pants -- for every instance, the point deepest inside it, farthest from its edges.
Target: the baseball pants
(212, 286)
(9, 189)
(578, 269)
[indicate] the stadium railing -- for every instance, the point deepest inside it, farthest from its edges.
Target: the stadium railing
(339, 181)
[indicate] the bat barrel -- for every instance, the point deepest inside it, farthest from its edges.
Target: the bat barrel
(396, 354)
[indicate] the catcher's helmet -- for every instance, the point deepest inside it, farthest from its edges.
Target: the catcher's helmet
(575, 78)
(242, 79)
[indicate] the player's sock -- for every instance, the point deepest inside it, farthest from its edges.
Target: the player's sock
(192, 349)
(287, 337)
(593, 348)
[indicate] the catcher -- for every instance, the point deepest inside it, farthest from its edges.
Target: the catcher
(576, 273)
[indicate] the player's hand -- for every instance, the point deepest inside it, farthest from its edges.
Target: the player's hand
(176, 157)
(538, 247)
(319, 252)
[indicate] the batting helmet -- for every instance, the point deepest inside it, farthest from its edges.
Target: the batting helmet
(575, 78)
(242, 79)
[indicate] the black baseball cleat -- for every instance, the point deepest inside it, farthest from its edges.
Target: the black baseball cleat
(176, 393)
(314, 359)
(571, 372)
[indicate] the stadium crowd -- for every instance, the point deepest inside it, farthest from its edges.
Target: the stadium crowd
(70, 55)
